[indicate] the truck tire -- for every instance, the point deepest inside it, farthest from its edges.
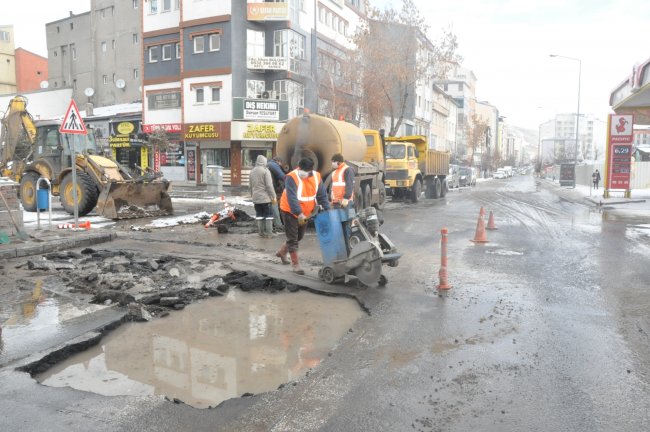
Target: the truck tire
(417, 190)
(443, 188)
(87, 194)
(428, 190)
(28, 191)
(367, 197)
(435, 189)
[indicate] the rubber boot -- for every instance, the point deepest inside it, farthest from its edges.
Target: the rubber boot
(282, 254)
(260, 227)
(294, 263)
(268, 228)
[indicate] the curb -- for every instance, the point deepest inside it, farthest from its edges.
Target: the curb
(46, 246)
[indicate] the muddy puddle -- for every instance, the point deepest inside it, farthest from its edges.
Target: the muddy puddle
(214, 350)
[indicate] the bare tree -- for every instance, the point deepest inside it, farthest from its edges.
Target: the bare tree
(476, 134)
(394, 55)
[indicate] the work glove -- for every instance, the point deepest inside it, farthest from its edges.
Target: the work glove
(274, 201)
(302, 219)
(344, 203)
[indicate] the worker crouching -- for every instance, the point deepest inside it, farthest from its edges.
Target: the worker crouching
(304, 189)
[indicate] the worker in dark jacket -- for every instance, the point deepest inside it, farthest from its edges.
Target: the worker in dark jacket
(342, 182)
(277, 173)
(304, 189)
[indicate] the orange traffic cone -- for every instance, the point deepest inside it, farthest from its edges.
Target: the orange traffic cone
(481, 212)
(480, 236)
(84, 225)
(213, 219)
(491, 225)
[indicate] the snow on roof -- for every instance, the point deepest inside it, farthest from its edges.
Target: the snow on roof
(114, 110)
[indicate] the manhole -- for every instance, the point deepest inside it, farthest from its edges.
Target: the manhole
(214, 350)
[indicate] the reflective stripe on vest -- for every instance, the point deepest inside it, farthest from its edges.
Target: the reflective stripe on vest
(338, 183)
(307, 202)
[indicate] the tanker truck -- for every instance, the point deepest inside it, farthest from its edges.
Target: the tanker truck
(319, 138)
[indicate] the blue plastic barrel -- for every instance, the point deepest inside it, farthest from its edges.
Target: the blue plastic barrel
(330, 236)
(43, 199)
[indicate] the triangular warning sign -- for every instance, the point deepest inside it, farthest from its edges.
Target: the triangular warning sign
(72, 122)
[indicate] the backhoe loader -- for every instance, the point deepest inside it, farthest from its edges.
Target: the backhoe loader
(36, 149)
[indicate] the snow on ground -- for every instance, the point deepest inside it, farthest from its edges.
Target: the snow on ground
(177, 220)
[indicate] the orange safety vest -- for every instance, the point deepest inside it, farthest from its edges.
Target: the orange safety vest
(338, 183)
(306, 193)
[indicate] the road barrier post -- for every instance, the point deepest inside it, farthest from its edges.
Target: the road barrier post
(442, 274)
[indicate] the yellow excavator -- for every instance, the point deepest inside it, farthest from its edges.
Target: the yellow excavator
(32, 150)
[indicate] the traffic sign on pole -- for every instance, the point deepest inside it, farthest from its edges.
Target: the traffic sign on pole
(72, 122)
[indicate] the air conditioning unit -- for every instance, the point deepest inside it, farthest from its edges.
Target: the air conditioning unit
(270, 94)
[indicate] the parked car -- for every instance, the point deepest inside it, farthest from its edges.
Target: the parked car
(467, 176)
(453, 180)
(499, 174)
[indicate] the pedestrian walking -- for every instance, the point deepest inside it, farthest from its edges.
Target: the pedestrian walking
(263, 196)
(277, 173)
(595, 177)
(304, 189)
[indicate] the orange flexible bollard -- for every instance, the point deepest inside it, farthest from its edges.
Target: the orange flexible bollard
(442, 274)
(480, 236)
(84, 225)
(491, 225)
(213, 219)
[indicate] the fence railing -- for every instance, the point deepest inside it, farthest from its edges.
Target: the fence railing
(639, 179)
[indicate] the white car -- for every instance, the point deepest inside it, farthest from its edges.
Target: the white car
(499, 174)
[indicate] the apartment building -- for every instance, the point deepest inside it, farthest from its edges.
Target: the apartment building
(222, 77)
(31, 71)
(98, 53)
(443, 121)
(7, 60)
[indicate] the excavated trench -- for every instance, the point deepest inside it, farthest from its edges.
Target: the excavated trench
(195, 332)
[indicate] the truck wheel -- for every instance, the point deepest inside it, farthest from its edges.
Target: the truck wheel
(417, 190)
(28, 191)
(428, 191)
(87, 194)
(367, 197)
(443, 188)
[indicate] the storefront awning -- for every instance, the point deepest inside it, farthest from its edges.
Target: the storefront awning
(632, 96)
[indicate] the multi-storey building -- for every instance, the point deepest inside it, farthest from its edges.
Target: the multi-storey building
(221, 77)
(443, 122)
(489, 114)
(31, 71)
(98, 53)
(7, 60)
(461, 85)
(562, 132)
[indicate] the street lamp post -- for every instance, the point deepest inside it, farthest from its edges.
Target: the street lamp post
(575, 153)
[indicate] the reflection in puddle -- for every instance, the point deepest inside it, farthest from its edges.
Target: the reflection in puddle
(214, 350)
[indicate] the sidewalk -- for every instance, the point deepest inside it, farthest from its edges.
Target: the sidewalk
(44, 241)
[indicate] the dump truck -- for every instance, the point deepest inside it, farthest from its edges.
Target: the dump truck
(412, 167)
(33, 150)
(319, 138)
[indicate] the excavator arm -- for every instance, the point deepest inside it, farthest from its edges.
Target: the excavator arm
(14, 121)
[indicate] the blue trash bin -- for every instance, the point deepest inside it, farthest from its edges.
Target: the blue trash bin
(330, 236)
(43, 199)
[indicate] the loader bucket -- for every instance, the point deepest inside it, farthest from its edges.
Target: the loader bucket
(134, 199)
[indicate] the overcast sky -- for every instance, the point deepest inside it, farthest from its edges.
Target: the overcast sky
(505, 42)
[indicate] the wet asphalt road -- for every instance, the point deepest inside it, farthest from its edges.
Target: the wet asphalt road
(545, 328)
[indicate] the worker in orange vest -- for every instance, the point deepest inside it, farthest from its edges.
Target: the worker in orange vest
(303, 190)
(342, 182)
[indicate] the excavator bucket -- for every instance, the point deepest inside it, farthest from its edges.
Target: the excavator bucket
(134, 199)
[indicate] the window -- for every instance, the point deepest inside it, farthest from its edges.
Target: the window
(102, 13)
(63, 51)
(154, 52)
(198, 44)
(136, 73)
(177, 4)
(166, 5)
(113, 44)
(113, 78)
(178, 50)
(71, 26)
(255, 43)
(105, 79)
(291, 44)
(216, 94)
(199, 96)
(166, 52)
(103, 46)
(135, 4)
(58, 30)
(56, 54)
(74, 84)
(73, 52)
(215, 42)
(135, 38)
(254, 88)
(165, 100)
(293, 92)
(153, 6)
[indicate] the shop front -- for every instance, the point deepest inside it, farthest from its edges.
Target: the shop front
(253, 139)
(209, 144)
(168, 149)
(127, 146)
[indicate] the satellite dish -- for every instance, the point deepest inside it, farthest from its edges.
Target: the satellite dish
(120, 83)
(44, 84)
(89, 91)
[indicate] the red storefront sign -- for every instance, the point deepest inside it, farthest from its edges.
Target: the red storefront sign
(621, 137)
(156, 160)
(167, 127)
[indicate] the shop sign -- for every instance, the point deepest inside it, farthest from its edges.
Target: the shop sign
(250, 131)
(206, 131)
(123, 134)
(260, 109)
(621, 138)
(167, 127)
(268, 11)
(270, 63)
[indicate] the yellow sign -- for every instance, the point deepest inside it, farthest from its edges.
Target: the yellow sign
(125, 128)
(201, 131)
(260, 131)
(268, 11)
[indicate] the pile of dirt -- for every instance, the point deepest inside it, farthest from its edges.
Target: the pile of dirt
(149, 287)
